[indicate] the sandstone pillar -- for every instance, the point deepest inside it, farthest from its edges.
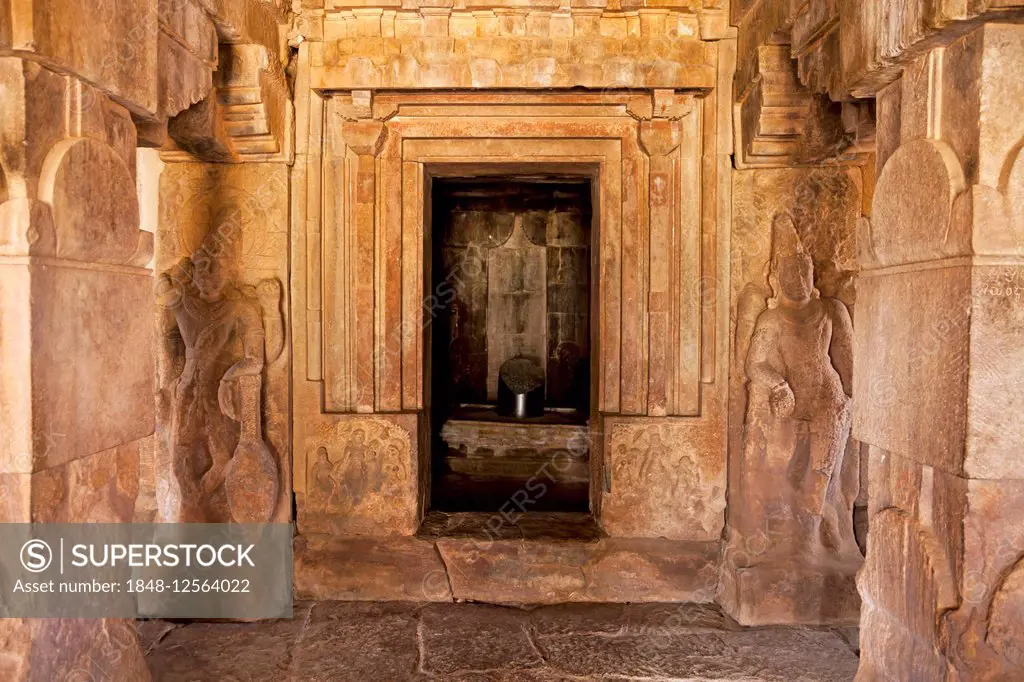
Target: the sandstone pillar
(939, 381)
(82, 85)
(76, 395)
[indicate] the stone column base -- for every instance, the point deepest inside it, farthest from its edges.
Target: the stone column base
(783, 594)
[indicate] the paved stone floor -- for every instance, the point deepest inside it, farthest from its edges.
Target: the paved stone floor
(367, 641)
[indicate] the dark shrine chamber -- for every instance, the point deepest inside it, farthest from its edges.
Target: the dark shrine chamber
(510, 337)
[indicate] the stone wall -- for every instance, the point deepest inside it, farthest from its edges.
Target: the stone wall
(667, 478)
(498, 244)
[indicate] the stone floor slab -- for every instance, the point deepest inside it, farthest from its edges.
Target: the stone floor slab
(252, 652)
(476, 638)
(358, 641)
(369, 641)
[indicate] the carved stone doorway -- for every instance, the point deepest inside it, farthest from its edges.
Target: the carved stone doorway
(510, 257)
(361, 327)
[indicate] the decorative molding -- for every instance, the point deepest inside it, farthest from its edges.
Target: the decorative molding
(247, 117)
(377, 180)
(771, 111)
(435, 48)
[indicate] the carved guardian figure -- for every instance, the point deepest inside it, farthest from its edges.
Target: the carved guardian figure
(799, 371)
(219, 338)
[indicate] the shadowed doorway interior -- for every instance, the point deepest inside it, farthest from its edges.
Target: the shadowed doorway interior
(511, 278)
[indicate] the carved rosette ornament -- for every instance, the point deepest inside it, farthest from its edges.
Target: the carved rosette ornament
(219, 337)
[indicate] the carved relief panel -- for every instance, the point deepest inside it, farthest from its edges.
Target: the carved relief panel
(358, 474)
(795, 473)
(222, 442)
(668, 479)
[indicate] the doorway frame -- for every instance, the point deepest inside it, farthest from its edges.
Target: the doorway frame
(362, 334)
(590, 168)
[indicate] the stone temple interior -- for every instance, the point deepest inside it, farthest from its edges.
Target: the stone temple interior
(576, 339)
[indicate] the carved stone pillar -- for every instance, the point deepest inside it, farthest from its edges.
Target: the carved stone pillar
(76, 366)
(940, 315)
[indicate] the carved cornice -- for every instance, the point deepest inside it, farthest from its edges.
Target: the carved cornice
(780, 122)
(842, 51)
(247, 117)
(222, 82)
(771, 111)
(524, 47)
(255, 100)
(491, 20)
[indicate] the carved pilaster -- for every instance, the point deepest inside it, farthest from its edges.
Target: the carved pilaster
(659, 138)
(671, 140)
(349, 252)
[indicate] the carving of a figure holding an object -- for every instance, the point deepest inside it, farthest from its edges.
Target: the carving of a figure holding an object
(219, 338)
(799, 368)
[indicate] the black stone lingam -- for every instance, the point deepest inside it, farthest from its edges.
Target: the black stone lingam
(521, 388)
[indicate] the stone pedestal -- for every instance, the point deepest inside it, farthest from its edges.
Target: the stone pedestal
(516, 449)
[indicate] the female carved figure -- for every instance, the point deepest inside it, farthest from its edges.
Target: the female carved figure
(223, 469)
(799, 368)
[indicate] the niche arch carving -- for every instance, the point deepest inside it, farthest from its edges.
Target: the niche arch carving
(912, 213)
(102, 224)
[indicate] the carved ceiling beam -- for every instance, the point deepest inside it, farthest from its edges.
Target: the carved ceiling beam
(186, 58)
(853, 49)
(843, 51)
